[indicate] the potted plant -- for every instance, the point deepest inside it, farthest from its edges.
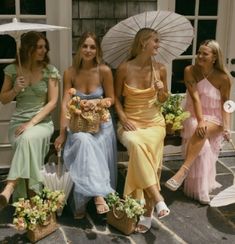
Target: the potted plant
(37, 214)
(174, 114)
(124, 213)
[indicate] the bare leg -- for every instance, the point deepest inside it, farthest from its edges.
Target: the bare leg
(30, 193)
(152, 198)
(156, 199)
(195, 145)
(142, 227)
(6, 193)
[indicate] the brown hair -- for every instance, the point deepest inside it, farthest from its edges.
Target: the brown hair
(77, 60)
(29, 45)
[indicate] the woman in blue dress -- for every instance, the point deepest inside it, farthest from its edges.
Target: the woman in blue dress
(35, 87)
(89, 157)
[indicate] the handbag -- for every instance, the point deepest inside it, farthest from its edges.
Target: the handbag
(81, 120)
(85, 122)
(119, 220)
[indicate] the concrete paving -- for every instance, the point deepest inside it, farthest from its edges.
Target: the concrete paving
(188, 222)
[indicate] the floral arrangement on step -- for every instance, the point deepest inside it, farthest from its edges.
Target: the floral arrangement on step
(130, 206)
(94, 111)
(38, 210)
(173, 113)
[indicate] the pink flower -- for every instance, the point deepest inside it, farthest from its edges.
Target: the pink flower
(72, 91)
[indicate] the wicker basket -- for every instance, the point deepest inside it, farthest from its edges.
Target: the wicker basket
(120, 221)
(42, 231)
(85, 122)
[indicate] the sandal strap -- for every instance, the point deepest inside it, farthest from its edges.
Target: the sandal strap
(145, 221)
(161, 206)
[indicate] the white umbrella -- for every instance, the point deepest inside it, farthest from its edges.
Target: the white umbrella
(17, 28)
(174, 30)
(55, 177)
(224, 198)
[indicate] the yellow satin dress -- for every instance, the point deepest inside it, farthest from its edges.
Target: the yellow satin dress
(145, 145)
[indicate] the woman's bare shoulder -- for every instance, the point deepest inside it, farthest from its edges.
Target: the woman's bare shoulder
(223, 78)
(69, 73)
(104, 68)
(158, 66)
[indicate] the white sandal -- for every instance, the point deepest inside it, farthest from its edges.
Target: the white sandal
(161, 206)
(144, 221)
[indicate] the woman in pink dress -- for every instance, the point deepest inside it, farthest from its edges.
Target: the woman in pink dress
(208, 87)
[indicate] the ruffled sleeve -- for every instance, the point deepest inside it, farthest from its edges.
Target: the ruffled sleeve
(52, 72)
(10, 70)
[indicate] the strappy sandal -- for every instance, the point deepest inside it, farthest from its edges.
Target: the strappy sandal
(161, 206)
(145, 222)
(101, 205)
(172, 184)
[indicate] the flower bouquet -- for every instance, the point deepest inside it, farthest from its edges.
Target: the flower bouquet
(86, 115)
(124, 213)
(174, 114)
(37, 215)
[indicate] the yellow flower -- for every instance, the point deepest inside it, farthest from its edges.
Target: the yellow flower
(173, 112)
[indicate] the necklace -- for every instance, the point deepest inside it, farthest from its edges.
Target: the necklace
(208, 74)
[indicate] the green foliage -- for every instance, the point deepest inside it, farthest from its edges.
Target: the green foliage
(173, 112)
(36, 211)
(130, 206)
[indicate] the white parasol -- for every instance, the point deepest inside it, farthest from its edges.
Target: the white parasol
(17, 28)
(224, 198)
(174, 30)
(55, 177)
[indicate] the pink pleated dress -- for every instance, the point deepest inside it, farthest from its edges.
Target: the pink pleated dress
(201, 178)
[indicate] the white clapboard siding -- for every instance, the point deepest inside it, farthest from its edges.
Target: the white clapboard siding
(5, 157)
(5, 147)
(4, 132)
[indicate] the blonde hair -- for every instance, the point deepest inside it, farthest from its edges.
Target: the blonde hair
(77, 60)
(216, 50)
(141, 37)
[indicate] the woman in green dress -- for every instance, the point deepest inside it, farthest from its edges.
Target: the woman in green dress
(33, 83)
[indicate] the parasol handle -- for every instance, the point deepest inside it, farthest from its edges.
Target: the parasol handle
(59, 165)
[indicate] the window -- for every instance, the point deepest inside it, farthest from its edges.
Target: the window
(203, 15)
(15, 8)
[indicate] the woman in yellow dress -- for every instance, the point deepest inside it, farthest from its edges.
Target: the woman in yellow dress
(140, 82)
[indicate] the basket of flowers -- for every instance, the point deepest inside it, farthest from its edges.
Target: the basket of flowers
(37, 214)
(174, 114)
(87, 115)
(124, 213)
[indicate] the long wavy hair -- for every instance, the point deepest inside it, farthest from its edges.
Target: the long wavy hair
(141, 37)
(77, 60)
(216, 50)
(28, 46)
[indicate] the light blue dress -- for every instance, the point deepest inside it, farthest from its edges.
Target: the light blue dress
(91, 160)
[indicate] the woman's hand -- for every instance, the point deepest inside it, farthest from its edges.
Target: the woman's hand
(20, 129)
(158, 85)
(20, 84)
(128, 125)
(227, 135)
(201, 129)
(59, 141)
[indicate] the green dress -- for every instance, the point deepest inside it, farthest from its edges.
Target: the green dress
(31, 147)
